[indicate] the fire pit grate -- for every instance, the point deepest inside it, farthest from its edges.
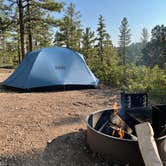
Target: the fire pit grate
(130, 100)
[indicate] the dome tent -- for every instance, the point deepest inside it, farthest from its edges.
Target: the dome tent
(52, 67)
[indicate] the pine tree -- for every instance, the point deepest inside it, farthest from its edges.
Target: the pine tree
(110, 55)
(69, 34)
(4, 21)
(22, 26)
(7, 41)
(124, 39)
(101, 34)
(29, 29)
(145, 36)
(29, 14)
(16, 10)
(155, 50)
(38, 13)
(88, 40)
(58, 39)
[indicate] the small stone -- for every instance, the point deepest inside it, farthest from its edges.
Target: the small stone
(49, 141)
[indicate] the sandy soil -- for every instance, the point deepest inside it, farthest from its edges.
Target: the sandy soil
(48, 128)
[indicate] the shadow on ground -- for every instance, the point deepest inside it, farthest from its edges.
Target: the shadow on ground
(7, 67)
(66, 150)
(66, 121)
(60, 88)
(106, 93)
(3, 89)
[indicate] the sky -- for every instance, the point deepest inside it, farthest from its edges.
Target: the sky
(140, 14)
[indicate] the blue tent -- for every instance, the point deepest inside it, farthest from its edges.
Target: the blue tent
(49, 67)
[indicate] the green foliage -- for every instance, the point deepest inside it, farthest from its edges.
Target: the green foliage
(88, 41)
(155, 50)
(144, 37)
(124, 39)
(50, 5)
(39, 21)
(8, 44)
(31, 20)
(109, 73)
(138, 79)
(101, 35)
(144, 79)
(134, 52)
(69, 33)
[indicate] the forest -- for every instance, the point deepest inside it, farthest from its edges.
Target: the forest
(27, 25)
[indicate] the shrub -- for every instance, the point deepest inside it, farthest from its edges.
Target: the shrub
(134, 79)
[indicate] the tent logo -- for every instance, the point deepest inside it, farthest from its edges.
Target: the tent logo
(60, 67)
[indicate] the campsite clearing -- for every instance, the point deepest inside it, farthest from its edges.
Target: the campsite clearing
(48, 128)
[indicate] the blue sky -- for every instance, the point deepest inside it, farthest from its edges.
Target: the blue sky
(140, 14)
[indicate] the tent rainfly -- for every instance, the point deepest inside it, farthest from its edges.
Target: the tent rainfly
(52, 67)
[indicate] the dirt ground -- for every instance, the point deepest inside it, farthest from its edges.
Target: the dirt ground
(48, 128)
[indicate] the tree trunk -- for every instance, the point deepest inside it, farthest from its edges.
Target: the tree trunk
(124, 51)
(18, 48)
(30, 47)
(21, 23)
(102, 52)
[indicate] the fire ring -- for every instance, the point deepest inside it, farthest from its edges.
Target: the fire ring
(120, 150)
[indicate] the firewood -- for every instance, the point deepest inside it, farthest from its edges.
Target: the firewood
(148, 145)
(117, 121)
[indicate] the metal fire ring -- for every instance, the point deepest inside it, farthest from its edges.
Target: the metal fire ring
(123, 151)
